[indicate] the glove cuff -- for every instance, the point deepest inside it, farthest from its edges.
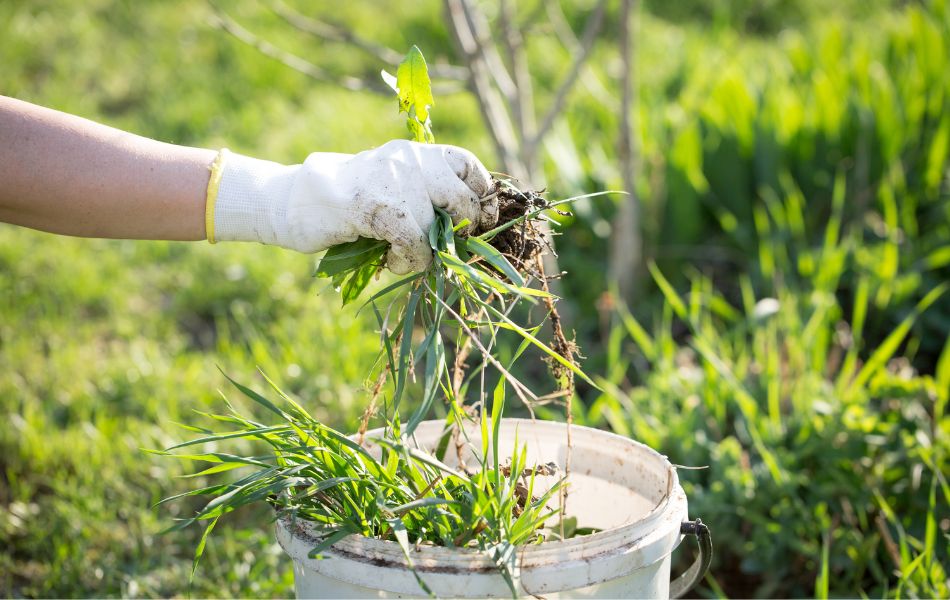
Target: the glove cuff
(247, 200)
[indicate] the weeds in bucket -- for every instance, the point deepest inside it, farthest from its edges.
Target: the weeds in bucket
(463, 302)
(404, 494)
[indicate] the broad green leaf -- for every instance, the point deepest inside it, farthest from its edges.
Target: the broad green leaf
(357, 281)
(350, 255)
(415, 94)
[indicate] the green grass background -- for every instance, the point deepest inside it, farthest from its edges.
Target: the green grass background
(792, 152)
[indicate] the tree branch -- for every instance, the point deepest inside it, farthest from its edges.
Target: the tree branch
(523, 107)
(223, 21)
(591, 29)
(490, 101)
(486, 48)
(339, 33)
(565, 34)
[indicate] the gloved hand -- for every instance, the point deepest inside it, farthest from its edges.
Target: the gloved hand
(387, 193)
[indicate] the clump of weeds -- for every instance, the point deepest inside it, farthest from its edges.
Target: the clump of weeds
(444, 324)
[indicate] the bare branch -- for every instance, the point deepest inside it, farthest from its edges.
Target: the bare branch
(222, 20)
(531, 18)
(490, 102)
(339, 33)
(485, 46)
(332, 32)
(591, 29)
(523, 107)
(565, 34)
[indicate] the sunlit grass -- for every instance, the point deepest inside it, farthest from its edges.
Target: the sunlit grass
(103, 344)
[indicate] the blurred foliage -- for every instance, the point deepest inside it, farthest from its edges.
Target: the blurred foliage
(794, 183)
(762, 17)
(820, 456)
(733, 127)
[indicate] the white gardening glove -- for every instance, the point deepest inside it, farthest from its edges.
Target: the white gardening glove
(387, 193)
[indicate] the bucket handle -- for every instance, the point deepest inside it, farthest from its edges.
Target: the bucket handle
(696, 571)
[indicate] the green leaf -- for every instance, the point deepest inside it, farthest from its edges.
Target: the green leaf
(637, 332)
(422, 503)
(357, 281)
(350, 255)
(393, 286)
(328, 541)
(524, 333)
(497, 410)
(889, 346)
(672, 298)
(402, 536)
(487, 281)
(415, 94)
(405, 346)
(257, 398)
(530, 215)
(248, 433)
(200, 549)
(435, 365)
(497, 260)
(445, 231)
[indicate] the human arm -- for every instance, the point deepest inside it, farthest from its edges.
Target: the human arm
(64, 174)
(67, 175)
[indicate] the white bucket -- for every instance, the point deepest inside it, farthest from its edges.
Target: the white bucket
(627, 490)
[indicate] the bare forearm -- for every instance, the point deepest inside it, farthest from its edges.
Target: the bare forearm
(67, 175)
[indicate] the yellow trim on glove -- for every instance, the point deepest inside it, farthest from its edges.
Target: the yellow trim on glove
(217, 168)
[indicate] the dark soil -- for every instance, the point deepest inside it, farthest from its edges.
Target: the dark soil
(520, 243)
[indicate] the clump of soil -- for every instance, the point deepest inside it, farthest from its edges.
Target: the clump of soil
(524, 241)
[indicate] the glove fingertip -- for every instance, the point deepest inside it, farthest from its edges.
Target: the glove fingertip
(396, 263)
(402, 261)
(469, 169)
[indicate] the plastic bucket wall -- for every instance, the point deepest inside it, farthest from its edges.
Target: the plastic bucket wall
(620, 486)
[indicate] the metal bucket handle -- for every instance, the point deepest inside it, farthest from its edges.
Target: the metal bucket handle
(696, 571)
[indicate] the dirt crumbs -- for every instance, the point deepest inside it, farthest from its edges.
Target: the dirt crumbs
(525, 240)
